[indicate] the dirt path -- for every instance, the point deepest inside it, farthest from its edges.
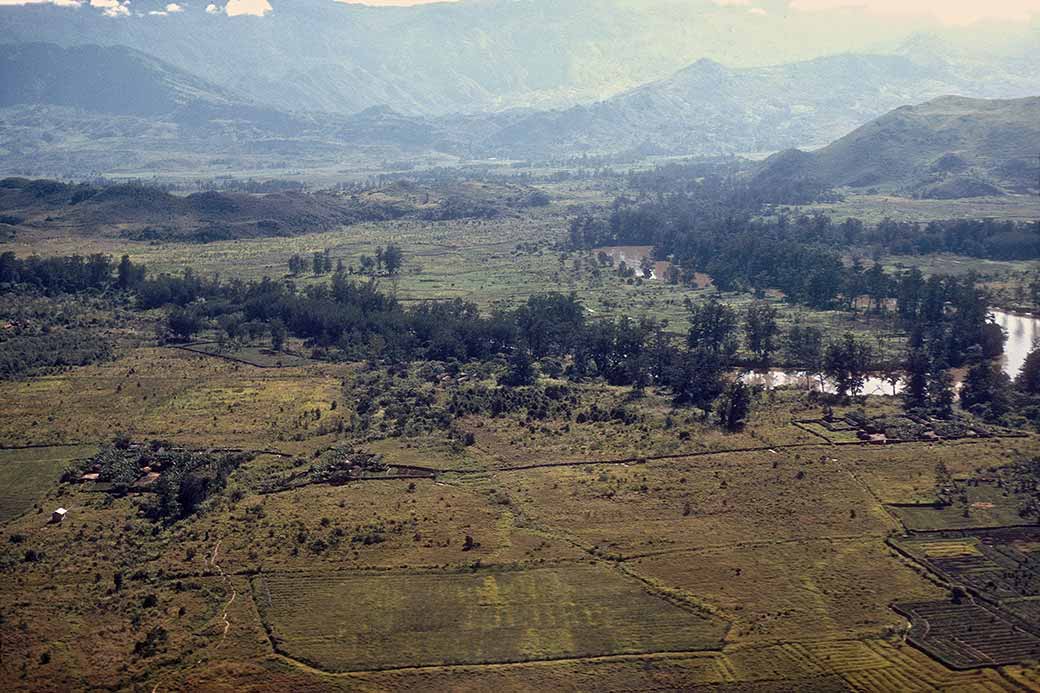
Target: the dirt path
(231, 586)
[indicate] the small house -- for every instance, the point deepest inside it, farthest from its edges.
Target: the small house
(58, 516)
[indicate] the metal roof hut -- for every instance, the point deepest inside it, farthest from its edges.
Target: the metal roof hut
(58, 516)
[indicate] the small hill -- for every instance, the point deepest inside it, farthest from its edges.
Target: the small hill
(950, 147)
(147, 213)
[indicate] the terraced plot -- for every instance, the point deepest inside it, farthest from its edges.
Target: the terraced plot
(967, 636)
(343, 622)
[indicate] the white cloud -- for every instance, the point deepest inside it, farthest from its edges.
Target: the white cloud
(112, 8)
(212, 9)
(948, 11)
(759, 11)
(256, 8)
(174, 7)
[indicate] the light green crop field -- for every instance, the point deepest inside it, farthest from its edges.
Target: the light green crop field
(27, 475)
(340, 622)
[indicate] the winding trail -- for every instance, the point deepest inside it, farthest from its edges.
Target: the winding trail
(231, 586)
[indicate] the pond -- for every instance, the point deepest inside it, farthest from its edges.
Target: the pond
(1020, 333)
(633, 256)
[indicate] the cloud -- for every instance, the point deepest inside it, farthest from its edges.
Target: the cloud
(256, 8)
(948, 11)
(759, 11)
(212, 9)
(112, 8)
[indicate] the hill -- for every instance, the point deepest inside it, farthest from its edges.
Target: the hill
(141, 212)
(116, 80)
(950, 147)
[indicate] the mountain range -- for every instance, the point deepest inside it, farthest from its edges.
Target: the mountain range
(486, 55)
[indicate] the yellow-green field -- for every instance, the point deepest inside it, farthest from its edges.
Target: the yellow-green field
(341, 622)
(26, 475)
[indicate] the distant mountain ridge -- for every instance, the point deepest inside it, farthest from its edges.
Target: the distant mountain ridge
(119, 81)
(708, 108)
(949, 147)
(468, 56)
(66, 111)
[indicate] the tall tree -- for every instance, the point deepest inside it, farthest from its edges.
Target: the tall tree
(940, 390)
(393, 259)
(986, 391)
(1028, 380)
(734, 405)
(761, 329)
(697, 381)
(847, 362)
(713, 327)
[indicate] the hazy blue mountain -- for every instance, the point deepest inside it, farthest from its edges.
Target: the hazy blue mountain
(473, 55)
(949, 147)
(707, 108)
(121, 81)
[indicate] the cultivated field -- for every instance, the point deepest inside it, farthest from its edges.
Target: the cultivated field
(340, 622)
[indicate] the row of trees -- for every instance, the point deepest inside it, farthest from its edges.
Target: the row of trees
(70, 274)
(387, 260)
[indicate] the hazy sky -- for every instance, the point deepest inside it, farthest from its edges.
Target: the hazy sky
(948, 11)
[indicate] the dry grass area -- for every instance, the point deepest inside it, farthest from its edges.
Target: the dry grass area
(796, 591)
(701, 502)
(170, 394)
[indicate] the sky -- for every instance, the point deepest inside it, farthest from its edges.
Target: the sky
(956, 12)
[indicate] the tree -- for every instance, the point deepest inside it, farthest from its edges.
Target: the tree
(319, 264)
(393, 259)
(1028, 380)
(183, 324)
(803, 347)
(986, 391)
(761, 328)
(521, 371)
(697, 381)
(733, 405)
(918, 366)
(129, 275)
(296, 265)
(847, 362)
(712, 327)
(940, 391)
(278, 334)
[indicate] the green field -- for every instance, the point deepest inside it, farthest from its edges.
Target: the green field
(342, 622)
(27, 475)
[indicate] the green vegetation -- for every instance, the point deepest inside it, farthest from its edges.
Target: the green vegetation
(481, 617)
